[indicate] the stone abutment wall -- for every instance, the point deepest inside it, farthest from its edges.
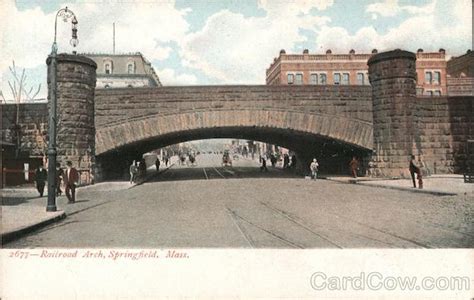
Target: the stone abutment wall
(76, 79)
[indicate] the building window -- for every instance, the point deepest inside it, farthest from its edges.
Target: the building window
(345, 78)
(108, 68)
(299, 79)
(437, 78)
(107, 86)
(337, 78)
(130, 86)
(291, 78)
(314, 79)
(322, 79)
(428, 77)
(131, 68)
(360, 78)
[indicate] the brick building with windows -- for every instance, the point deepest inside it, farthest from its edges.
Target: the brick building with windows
(352, 69)
(124, 70)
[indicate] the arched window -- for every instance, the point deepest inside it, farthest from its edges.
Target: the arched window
(131, 68)
(108, 67)
(106, 86)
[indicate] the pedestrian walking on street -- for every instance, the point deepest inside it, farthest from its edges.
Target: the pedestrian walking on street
(420, 173)
(314, 166)
(286, 161)
(354, 166)
(167, 160)
(157, 164)
(293, 161)
(59, 179)
(142, 170)
(40, 177)
(133, 172)
(273, 159)
(414, 169)
(263, 161)
(71, 179)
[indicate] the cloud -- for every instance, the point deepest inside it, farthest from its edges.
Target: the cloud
(169, 77)
(428, 31)
(232, 48)
(143, 26)
(391, 8)
(292, 7)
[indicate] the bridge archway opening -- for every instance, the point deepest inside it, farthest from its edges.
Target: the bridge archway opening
(332, 154)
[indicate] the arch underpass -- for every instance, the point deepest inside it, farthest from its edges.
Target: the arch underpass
(307, 134)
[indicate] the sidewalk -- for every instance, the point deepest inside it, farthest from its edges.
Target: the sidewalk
(441, 185)
(22, 211)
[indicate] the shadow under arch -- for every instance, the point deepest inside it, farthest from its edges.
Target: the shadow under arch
(307, 134)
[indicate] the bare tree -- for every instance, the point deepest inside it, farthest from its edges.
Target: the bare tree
(21, 93)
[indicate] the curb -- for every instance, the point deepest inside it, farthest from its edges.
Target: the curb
(412, 190)
(16, 234)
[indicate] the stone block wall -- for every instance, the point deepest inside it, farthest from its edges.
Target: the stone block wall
(393, 78)
(120, 105)
(443, 126)
(33, 127)
(76, 79)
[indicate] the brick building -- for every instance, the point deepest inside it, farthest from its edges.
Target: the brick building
(124, 70)
(461, 66)
(352, 69)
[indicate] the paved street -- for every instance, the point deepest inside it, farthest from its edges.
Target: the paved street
(208, 205)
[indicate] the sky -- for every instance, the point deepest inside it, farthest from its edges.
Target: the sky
(191, 42)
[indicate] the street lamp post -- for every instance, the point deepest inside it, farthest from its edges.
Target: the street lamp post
(65, 14)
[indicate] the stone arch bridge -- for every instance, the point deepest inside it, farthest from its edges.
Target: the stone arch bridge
(104, 129)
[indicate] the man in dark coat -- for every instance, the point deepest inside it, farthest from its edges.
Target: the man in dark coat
(59, 178)
(40, 177)
(157, 164)
(286, 161)
(413, 168)
(71, 179)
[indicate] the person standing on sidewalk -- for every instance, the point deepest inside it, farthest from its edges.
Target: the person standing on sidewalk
(59, 178)
(314, 169)
(40, 177)
(71, 179)
(414, 169)
(354, 166)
